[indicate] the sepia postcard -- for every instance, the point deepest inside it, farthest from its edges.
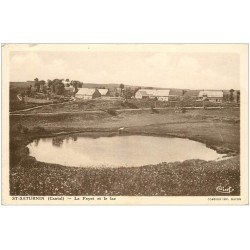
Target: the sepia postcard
(124, 124)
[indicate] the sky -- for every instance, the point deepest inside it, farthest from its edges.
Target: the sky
(150, 69)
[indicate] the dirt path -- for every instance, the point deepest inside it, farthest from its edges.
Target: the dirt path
(16, 113)
(37, 107)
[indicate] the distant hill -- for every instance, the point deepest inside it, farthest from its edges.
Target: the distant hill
(85, 85)
(117, 85)
(21, 84)
(111, 86)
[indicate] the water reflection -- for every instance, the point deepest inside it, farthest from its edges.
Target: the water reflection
(117, 151)
(36, 142)
(57, 141)
(73, 137)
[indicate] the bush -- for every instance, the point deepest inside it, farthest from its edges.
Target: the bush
(38, 129)
(25, 130)
(112, 112)
(20, 129)
(130, 105)
(154, 110)
(183, 110)
(81, 104)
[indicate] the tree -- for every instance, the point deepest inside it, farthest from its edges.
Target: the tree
(238, 96)
(49, 84)
(44, 89)
(37, 84)
(122, 88)
(75, 85)
(42, 86)
(28, 91)
(60, 88)
(225, 97)
(57, 87)
(231, 97)
(128, 93)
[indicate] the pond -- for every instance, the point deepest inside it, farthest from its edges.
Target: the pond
(117, 151)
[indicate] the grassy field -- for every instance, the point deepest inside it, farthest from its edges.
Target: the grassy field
(120, 104)
(218, 129)
(192, 177)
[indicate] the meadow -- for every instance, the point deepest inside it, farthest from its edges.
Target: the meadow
(219, 129)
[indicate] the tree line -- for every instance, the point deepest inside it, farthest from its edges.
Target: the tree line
(55, 86)
(231, 96)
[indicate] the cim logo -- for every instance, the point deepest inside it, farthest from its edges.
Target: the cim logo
(224, 190)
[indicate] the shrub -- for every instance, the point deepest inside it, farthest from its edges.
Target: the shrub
(25, 130)
(154, 110)
(38, 129)
(131, 105)
(20, 128)
(81, 104)
(112, 112)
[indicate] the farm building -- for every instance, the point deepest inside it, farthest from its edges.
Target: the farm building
(145, 94)
(191, 94)
(69, 89)
(211, 95)
(162, 94)
(87, 93)
(104, 92)
(176, 94)
(159, 94)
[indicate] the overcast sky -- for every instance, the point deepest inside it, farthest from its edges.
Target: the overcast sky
(168, 70)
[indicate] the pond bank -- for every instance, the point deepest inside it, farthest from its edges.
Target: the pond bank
(193, 177)
(95, 133)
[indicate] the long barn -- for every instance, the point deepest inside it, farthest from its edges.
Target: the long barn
(159, 94)
(87, 93)
(211, 95)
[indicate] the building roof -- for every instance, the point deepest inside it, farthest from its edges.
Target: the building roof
(192, 93)
(176, 92)
(162, 92)
(211, 93)
(154, 92)
(147, 92)
(143, 93)
(103, 91)
(85, 91)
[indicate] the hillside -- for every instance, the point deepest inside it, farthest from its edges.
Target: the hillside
(21, 84)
